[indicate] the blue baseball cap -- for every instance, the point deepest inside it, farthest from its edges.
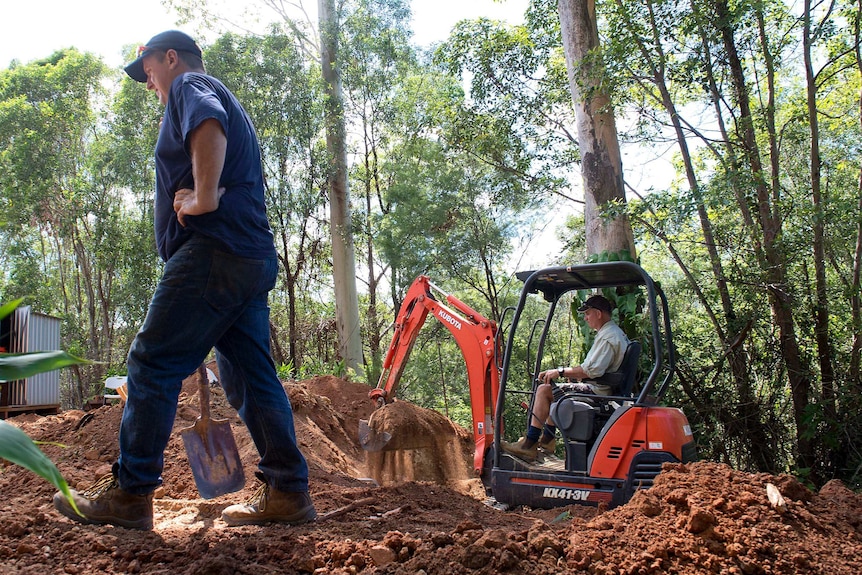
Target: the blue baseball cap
(170, 40)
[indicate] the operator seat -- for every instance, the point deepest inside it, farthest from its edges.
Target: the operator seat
(623, 380)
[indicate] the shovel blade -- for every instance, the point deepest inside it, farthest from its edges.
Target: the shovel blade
(213, 457)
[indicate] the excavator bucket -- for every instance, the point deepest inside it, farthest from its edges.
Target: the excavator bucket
(401, 425)
(371, 440)
(405, 442)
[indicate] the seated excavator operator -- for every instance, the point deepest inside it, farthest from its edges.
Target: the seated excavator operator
(605, 355)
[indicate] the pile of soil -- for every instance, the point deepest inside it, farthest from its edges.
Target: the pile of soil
(416, 444)
(697, 518)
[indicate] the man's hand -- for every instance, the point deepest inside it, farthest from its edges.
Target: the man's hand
(577, 373)
(187, 203)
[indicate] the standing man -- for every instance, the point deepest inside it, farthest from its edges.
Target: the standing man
(211, 230)
(605, 355)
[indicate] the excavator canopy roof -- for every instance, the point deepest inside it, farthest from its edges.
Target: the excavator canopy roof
(554, 281)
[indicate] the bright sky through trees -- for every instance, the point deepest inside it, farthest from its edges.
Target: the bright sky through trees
(34, 29)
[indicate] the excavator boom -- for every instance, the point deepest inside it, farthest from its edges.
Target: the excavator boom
(476, 337)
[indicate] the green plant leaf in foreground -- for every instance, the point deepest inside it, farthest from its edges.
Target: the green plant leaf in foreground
(8, 308)
(17, 447)
(22, 365)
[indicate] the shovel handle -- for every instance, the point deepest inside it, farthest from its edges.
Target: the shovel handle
(204, 391)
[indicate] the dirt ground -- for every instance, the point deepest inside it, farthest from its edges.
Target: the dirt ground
(697, 518)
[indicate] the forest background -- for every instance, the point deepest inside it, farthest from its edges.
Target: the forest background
(457, 156)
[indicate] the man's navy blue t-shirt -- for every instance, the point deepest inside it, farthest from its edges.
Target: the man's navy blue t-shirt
(240, 221)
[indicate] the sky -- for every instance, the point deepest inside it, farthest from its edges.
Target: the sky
(34, 29)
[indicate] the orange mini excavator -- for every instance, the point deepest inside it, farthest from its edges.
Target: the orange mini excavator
(611, 445)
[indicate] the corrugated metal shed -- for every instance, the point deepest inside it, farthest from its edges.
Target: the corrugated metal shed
(25, 331)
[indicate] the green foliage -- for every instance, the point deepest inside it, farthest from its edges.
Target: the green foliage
(734, 248)
(458, 155)
(629, 309)
(520, 113)
(18, 448)
(72, 196)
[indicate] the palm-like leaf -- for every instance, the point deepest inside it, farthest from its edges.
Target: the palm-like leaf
(22, 365)
(8, 308)
(17, 447)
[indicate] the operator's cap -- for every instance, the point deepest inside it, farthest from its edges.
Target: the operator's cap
(170, 40)
(596, 302)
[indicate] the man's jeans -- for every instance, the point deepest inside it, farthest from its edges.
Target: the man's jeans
(207, 298)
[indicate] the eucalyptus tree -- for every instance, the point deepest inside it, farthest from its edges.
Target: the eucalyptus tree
(515, 119)
(124, 156)
(777, 258)
(601, 163)
(323, 47)
(833, 80)
(453, 184)
(661, 57)
(341, 228)
(517, 114)
(377, 60)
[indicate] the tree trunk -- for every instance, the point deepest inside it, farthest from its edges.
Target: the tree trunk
(855, 300)
(601, 166)
(374, 335)
(746, 416)
(821, 306)
(775, 262)
(343, 262)
(746, 420)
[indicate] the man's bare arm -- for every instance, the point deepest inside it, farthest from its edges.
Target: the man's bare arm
(208, 146)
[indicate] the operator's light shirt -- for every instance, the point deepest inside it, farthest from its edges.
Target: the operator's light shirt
(605, 355)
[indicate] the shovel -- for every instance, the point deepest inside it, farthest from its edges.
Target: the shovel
(211, 449)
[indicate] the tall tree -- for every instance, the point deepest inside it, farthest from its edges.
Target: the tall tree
(63, 203)
(768, 226)
(281, 92)
(653, 69)
(377, 59)
(601, 163)
(774, 240)
(341, 226)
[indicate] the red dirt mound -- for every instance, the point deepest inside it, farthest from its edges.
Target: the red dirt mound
(700, 518)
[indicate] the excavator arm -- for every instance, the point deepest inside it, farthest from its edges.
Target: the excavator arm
(475, 336)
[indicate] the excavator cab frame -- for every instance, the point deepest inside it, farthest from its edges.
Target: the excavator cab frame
(613, 444)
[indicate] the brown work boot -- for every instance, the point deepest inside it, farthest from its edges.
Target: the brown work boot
(520, 450)
(105, 502)
(549, 446)
(269, 505)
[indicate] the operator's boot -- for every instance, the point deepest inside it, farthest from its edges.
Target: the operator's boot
(549, 446)
(520, 449)
(106, 503)
(269, 505)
